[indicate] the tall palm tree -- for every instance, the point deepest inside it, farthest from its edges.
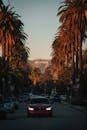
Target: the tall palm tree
(11, 30)
(75, 11)
(73, 17)
(12, 40)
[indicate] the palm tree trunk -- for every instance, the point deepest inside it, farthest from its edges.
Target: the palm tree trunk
(80, 59)
(80, 68)
(6, 49)
(77, 51)
(73, 65)
(76, 64)
(3, 50)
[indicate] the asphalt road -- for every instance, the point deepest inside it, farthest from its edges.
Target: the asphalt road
(64, 118)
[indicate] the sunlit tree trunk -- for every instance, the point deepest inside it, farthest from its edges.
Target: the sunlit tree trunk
(3, 50)
(80, 68)
(73, 65)
(76, 56)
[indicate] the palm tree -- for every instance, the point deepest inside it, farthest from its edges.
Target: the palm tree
(70, 36)
(12, 40)
(75, 12)
(62, 47)
(35, 75)
(11, 30)
(20, 54)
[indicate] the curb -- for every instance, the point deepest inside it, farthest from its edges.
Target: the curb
(77, 107)
(80, 108)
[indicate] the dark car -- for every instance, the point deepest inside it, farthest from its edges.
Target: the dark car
(9, 105)
(55, 98)
(3, 112)
(15, 102)
(39, 106)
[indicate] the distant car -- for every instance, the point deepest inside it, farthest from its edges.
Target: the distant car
(39, 106)
(63, 98)
(15, 102)
(23, 98)
(9, 105)
(3, 111)
(55, 98)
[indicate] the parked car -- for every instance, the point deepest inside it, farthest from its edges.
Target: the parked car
(39, 106)
(63, 98)
(23, 98)
(9, 105)
(15, 101)
(55, 98)
(3, 111)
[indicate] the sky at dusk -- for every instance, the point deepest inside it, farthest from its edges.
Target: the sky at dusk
(40, 23)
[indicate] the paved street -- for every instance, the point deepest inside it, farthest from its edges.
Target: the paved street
(64, 118)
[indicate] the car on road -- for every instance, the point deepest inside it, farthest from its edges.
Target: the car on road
(15, 102)
(9, 105)
(63, 98)
(39, 106)
(3, 112)
(55, 98)
(23, 98)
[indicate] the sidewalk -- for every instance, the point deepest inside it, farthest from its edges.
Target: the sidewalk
(80, 108)
(77, 107)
